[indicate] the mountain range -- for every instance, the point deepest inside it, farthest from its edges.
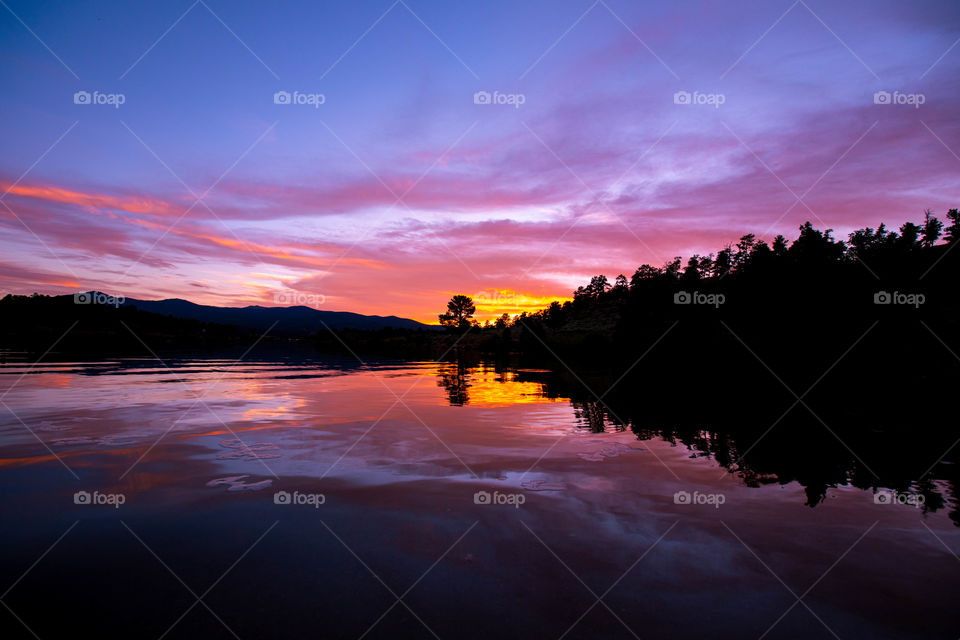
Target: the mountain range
(298, 320)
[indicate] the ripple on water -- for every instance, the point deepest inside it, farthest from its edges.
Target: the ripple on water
(609, 451)
(543, 485)
(109, 440)
(240, 450)
(236, 483)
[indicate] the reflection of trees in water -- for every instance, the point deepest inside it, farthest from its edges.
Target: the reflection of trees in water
(458, 376)
(797, 449)
(593, 416)
(955, 498)
(455, 378)
(817, 461)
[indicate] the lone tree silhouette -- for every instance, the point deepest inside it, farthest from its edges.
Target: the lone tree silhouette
(459, 313)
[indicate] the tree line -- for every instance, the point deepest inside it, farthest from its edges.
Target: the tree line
(879, 252)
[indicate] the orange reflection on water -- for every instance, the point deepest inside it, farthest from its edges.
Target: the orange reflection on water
(485, 386)
(281, 411)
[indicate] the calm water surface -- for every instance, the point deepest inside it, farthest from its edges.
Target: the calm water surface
(316, 499)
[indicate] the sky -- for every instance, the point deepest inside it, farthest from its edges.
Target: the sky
(381, 156)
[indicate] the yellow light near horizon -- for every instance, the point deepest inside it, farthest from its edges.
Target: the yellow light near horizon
(483, 386)
(492, 304)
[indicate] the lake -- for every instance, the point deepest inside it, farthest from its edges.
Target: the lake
(300, 497)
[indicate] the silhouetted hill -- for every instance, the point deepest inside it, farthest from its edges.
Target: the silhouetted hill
(59, 326)
(298, 321)
(94, 325)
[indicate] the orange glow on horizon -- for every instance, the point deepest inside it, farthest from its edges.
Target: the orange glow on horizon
(492, 304)
(301, 267)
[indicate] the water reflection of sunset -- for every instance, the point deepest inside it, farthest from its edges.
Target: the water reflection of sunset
(486, 387)
(330, 419)
(284, 408)
(407, 468)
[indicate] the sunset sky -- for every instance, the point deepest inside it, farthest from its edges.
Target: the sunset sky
(400, 190)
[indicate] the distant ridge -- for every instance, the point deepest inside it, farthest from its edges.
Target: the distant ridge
(298, 320)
